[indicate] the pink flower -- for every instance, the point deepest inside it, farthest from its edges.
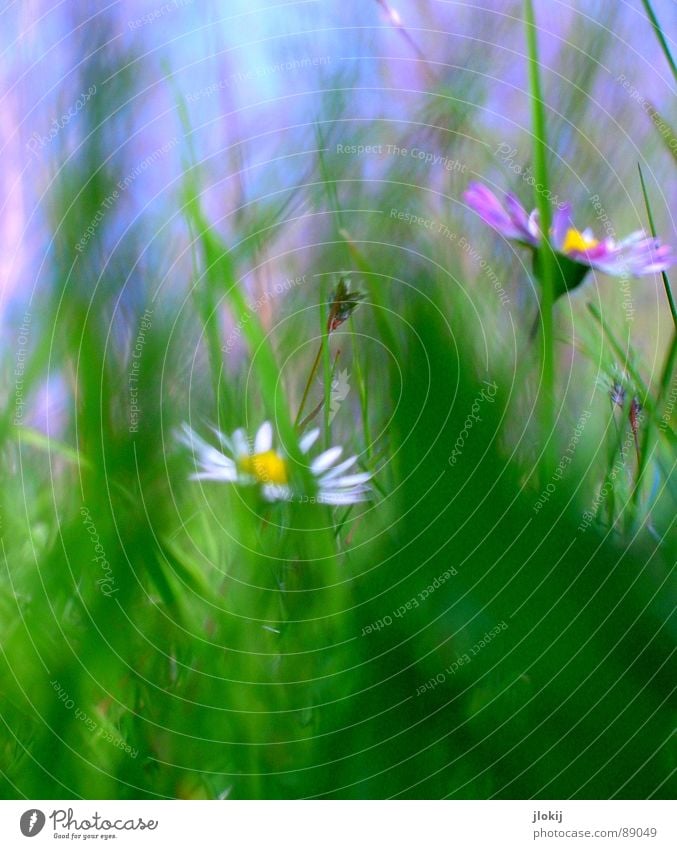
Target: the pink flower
(635, 255)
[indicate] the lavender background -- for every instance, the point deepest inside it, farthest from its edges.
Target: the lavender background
(258, 76)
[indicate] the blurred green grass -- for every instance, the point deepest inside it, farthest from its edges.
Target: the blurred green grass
(237, 655)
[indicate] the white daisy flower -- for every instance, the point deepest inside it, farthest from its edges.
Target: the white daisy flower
(260, 464)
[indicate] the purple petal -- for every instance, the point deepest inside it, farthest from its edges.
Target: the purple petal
(635, 255)
(520, 219)
(535, 226)
(561, 222)
(489, 208)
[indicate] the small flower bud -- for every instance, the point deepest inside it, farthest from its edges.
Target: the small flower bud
(343, 305)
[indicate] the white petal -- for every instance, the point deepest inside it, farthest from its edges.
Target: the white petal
(213, 459)
(187, 436)
(339, 498)
(204, 452)
(533, 225)
(240, 443)
(275, 492)
(635, 236)
(223, 439)
(322, 462)
(225, 474)
(309, 440)
(348, 480)
(338, 470)
(264, 439)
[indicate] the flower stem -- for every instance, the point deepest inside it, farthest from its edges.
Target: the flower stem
(547, 256)
(311, 377)
(313, 413)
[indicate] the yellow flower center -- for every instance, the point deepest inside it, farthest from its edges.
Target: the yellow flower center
(576, 241)
(267, 467)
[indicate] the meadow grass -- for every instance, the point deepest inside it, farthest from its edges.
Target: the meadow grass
(494, 622)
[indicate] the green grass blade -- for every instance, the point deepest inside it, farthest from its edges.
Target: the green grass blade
(666, 375)
(665, 131)
(547, 256)
(220, 273)
(363, 392)
(31, 436)
(652, 228)
(660, 36)
(626, 361)
(326, 362)
(329, 184)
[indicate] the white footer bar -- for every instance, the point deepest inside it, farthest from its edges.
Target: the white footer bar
(340, 824)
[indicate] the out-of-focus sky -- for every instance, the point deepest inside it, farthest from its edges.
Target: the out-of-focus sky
(256, 77)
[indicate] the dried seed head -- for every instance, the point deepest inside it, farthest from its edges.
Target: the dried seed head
(617, 394)
(617, 384)
(635, 415)
(343, 305)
